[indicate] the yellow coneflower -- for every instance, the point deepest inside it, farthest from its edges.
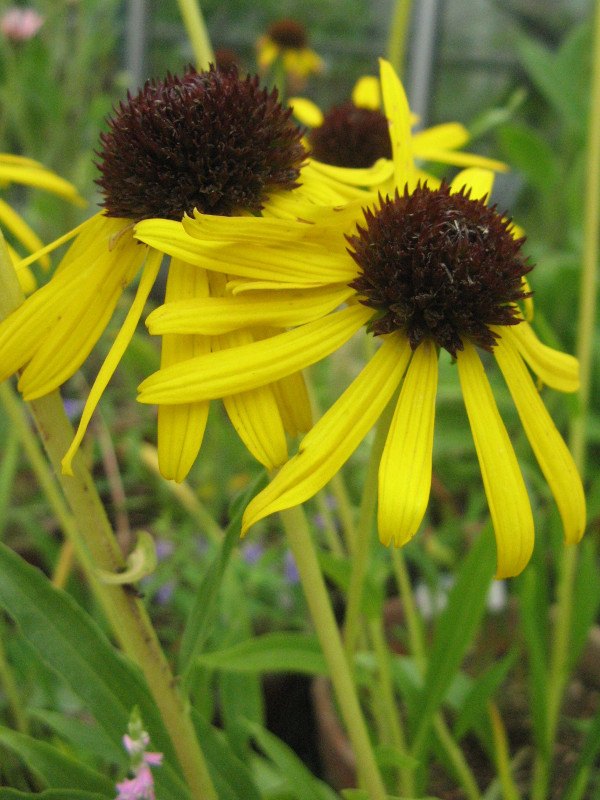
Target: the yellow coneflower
(210, 143)
(286, 39)
(431, 270)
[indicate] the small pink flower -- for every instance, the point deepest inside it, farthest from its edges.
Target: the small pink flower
(20, 24)
(139, 788)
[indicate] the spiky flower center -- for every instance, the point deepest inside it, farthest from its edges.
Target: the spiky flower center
(437, 265)
(351, 136)
(288, 34)
(210, 140)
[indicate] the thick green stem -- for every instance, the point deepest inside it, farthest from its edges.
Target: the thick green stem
(93, 532)
(578, 433)
(302, 547)
(197, 33)
(360, 555)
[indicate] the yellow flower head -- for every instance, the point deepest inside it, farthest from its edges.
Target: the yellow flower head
(429, 269)
(286, 39)
(27, 172)
(210, 144)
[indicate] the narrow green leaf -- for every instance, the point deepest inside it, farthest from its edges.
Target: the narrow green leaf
(300, 782)
(587, 758)
(454, 631)
(273, 652)
(534, 625)
(53, 767)
(586, 600)
(82, 735)
(531, 154)
(202, 615)
(231, 776)
(483, 689)
(69, 642)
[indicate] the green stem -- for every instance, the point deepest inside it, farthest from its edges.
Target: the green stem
(360, 555)
(124, 610)
(579, 426)
(413, 622)
(301, 545)
(197, 33)
(396, 50)
(390, 705)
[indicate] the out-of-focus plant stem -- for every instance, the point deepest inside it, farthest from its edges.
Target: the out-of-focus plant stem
(197, 33)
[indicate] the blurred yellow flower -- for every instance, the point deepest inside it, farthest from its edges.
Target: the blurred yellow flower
(286, 40)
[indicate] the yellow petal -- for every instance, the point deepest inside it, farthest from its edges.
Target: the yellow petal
(254, 413)
(325, 449)
(381, 171)
(405, 468)
(367, 93)
(215, 315)
(555, 369)
(507, 497)
(28, 238)
(459, 159)
(479, 181)
(293, 403)
(448, 136)
(84, 316)
(398, 115)
(115, 353)
(552, 454)
(41, 178)
(180, 428)
(307, 112)
(256, 364)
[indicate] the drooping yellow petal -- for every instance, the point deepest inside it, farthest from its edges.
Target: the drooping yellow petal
(42, 178)
(256, 364)
(479, 181)
(10, 220)
(27, 280)
(506, 493)
(367, 93)
(101, 277)
(306, 112)
(555, 369)
(398, 115)
(552, 454)
(181, 427)
(325, 449)
(293, 403)
(254, 413)
(115, 353)
(216, 315)
(405, 467)
(460, 159)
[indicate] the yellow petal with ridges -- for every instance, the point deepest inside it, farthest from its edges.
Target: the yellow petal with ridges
(509, 505)
(83, 319)
(256, 364)
(460, 159)
(367, 93)
(552, 453)
(293, 403)
(215, 315)
(10, 220)
(306, 112)
(254, 414)
(41, 178)
(405, 467)
(398, 115)
(115, 354)
(180, 428)
(382, 170)
(326, 448)
(479, 181)
(555, 369)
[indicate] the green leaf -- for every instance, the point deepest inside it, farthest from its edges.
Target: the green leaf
(484, 688)
(527, 151)
(586, 600)
(534, 625)
(231, 776)
(81, 735)
(338, 570)
(455, 630)
(587, 759)
(70, 643)
(53, 767)
(204, 610)
(299, 781)
(272, 652)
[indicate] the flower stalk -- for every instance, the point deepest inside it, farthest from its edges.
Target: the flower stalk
(124, 610)
(197, 33)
